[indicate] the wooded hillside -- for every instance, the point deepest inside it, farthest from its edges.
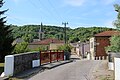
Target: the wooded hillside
(30, 32)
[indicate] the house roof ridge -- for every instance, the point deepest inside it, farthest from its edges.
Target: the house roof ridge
(48, 41)
(107, 33)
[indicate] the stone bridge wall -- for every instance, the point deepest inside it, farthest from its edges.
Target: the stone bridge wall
(23, 61)
(20, 62)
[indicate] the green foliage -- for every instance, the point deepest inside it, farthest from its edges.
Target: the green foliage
(115, 44)
(42, 48)
(85, 33)
(65, 47)
(115, 40)
(117, 22)
(6, 37)
(21, 48)
(74, 39)
(30, 32)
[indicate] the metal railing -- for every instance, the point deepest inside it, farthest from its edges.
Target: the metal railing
(51, 56)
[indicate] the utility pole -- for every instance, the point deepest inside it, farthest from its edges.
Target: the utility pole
(65, 36)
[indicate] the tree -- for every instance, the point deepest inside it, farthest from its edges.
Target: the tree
(114, 44)
(74, 39)
(117, 22)
(115, 40)
(6, 39)
(67, 50)
(21, 48)
(65, 47)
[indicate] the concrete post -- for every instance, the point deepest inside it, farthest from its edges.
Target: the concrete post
(9, 65)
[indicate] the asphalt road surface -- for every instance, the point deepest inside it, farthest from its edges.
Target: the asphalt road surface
(77, 70)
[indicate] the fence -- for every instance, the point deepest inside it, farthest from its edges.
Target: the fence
(51, 56)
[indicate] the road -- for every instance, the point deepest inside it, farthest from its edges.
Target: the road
(77, 70)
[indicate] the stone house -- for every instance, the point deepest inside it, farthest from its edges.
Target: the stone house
(98, 44)
(18, 40)
(48, 44)
(73, 50)
(81, 48)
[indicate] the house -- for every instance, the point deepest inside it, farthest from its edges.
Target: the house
(81, 48)
(73, 50)
(48, 44)
(98, 44)
(18, 40)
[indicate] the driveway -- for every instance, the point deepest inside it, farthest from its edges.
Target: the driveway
(77, 70)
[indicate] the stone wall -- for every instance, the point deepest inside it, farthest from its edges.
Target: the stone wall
(23, 61)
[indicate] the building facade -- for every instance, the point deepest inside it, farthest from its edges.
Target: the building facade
(98, 44)
(47, 44)
(81, 48)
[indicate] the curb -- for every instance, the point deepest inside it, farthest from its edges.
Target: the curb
(53, 65)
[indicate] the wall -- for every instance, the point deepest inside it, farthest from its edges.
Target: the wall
(73, 50)
(86, 48)
(111, 56)
(82, 48)
(78, 51)
(20, 62)
(117, 68)
(92, 48)
(101, 43)
(31, 46)
(55, 45)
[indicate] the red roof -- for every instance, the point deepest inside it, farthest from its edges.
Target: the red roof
(107, 33)
(47, 41)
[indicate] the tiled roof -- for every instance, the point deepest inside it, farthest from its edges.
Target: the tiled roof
(47, 41)
(107, 33)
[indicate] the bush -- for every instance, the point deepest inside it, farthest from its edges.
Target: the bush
(115, 40)
(21, 48)
(66, 48)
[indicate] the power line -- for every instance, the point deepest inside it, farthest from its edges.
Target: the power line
(47, 9)
(15, 19)
(55, 10)
(38, 8)
(32, 3)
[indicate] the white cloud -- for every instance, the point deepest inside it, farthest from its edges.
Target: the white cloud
(75, 2)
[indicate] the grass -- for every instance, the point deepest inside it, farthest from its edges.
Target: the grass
(1, 67)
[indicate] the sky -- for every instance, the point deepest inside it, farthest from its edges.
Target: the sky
(78, 13)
